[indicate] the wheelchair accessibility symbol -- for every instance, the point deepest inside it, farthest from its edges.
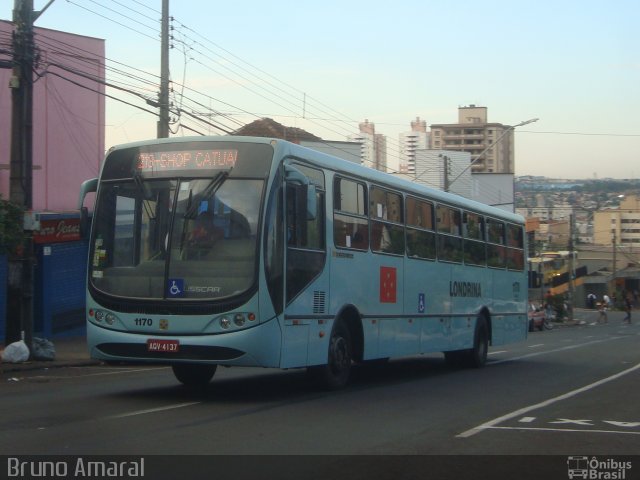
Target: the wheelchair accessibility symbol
(421, 303)
(175, 287)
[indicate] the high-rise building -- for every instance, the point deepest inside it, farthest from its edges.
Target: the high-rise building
(409, 142)
(374, 146)
(620, 226)
(490, 144)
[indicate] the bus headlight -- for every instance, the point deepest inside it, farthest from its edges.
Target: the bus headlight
(225, 323)
(238, 319)
(102, 316)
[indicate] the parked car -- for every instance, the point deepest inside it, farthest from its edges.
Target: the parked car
(537, 317)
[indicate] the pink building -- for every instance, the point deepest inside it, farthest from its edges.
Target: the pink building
(68, 116)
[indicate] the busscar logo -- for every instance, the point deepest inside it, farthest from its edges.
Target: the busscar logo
(596, 469)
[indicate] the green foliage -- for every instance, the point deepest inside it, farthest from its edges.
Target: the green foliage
(11, 221)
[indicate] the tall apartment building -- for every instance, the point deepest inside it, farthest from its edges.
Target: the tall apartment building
(409, 142)
(490, 144)
(623, 224)
(374, 146)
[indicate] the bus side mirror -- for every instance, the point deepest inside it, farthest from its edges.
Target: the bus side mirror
(87, 186)
(85, 223)
(296, 177)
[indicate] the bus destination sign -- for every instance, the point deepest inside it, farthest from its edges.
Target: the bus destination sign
(186, 160)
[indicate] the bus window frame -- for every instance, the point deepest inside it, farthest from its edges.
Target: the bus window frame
(500, 247)
(428, 230)
(447, 236)
(346, 214)
(470, 240)
(394, 228)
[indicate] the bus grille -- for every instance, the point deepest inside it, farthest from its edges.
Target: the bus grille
(318, 301)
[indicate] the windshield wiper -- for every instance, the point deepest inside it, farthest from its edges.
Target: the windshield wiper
(209, 191)
(148, 209)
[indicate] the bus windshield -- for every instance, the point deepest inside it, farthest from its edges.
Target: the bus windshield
(188, 237)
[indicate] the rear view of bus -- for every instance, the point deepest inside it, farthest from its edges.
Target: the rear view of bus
(174, 253)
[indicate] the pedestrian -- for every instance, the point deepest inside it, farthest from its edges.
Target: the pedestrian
(603, 310)
(548, 306)
(591, 301)
(627, 309)
(606, 300)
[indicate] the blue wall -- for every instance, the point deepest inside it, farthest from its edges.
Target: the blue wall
(59, 289)
(3, 296)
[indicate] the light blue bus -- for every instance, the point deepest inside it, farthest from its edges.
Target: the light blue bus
(243, 251)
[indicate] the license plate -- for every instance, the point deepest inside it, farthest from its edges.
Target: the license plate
(161, 345)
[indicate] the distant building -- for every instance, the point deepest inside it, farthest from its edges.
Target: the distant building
(439, 168)
(374, 146)
(490, 145)
(349, 151)
(68, 116)
(495, 189)
(622, 223)
(547, 214)
(410, 142)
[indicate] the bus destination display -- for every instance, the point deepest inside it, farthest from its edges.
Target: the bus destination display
(186, 160)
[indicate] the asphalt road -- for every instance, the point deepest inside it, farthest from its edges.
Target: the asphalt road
(565, 392)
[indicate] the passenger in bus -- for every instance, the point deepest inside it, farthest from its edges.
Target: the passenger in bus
(203, 235)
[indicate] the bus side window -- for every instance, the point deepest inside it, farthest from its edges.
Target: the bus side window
(385, 214)
(350, 224)
(496, 253)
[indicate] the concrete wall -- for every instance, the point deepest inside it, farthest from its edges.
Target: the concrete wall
(68, 130)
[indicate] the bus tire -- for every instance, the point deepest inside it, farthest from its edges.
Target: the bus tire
(194, 375)
(335, 374)
(477, 356)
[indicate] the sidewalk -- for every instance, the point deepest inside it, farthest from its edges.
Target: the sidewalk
(71, 351)
(585, 316)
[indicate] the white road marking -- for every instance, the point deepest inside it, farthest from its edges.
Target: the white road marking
(562, 430)
(67, 377)
(623, 424)
(499, 351)
(524, 410)
(527, 419)
(568, 347)
(536, 345)
(585, 422)
(152, 410)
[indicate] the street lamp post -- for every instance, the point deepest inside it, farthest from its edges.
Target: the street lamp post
(526, 122)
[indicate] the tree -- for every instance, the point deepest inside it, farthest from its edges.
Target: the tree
(11, 223)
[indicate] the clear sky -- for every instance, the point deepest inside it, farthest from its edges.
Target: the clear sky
(573, 64)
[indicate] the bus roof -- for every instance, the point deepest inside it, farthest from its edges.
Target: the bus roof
(285, 148)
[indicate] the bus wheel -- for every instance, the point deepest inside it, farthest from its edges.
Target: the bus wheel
(194, 375)
(474, 357)
(477, 356)
(335, 374)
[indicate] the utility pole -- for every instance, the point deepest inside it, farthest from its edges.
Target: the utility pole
(163, 98)
(615, 265)
(21, 166)
(445, 160)
(571, 266)
(21, 84)
(20, 321)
